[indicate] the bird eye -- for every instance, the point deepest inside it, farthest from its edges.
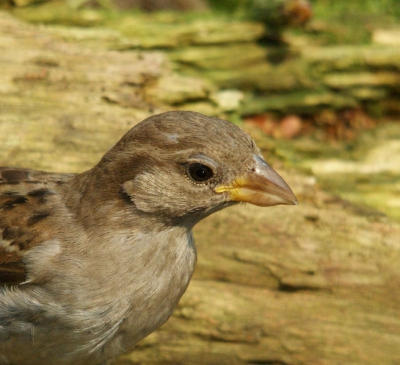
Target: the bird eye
(199, 172)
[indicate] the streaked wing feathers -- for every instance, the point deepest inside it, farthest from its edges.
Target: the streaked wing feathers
(27, 198)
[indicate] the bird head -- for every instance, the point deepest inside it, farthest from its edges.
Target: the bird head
(185, 166)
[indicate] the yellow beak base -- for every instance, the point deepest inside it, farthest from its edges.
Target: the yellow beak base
(262, 187)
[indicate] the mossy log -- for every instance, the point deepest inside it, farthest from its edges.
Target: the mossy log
(229, 54)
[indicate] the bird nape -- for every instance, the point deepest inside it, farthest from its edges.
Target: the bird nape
(91, 263)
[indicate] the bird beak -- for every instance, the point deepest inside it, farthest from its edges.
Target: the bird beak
(261, 186)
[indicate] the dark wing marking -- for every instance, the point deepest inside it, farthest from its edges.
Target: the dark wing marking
(27, 199)
(11, 268)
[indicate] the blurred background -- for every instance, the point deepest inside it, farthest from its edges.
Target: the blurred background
(316, 83)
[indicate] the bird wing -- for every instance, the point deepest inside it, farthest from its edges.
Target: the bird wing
(27, 199)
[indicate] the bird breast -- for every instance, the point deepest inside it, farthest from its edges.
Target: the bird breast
(154, 274)
(113, 303)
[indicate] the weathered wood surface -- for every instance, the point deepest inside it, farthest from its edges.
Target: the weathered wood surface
(312, 284)
(67, 81)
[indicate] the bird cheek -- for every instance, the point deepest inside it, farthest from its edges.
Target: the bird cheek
(152, 193)
(137, 196)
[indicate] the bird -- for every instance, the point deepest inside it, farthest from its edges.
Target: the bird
(91, 263)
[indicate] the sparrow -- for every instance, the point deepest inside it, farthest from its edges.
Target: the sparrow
(91, 263)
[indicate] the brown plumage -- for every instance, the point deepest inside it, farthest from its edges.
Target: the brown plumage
(91, 263)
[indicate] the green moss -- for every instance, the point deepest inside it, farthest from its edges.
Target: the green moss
(351, 22)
